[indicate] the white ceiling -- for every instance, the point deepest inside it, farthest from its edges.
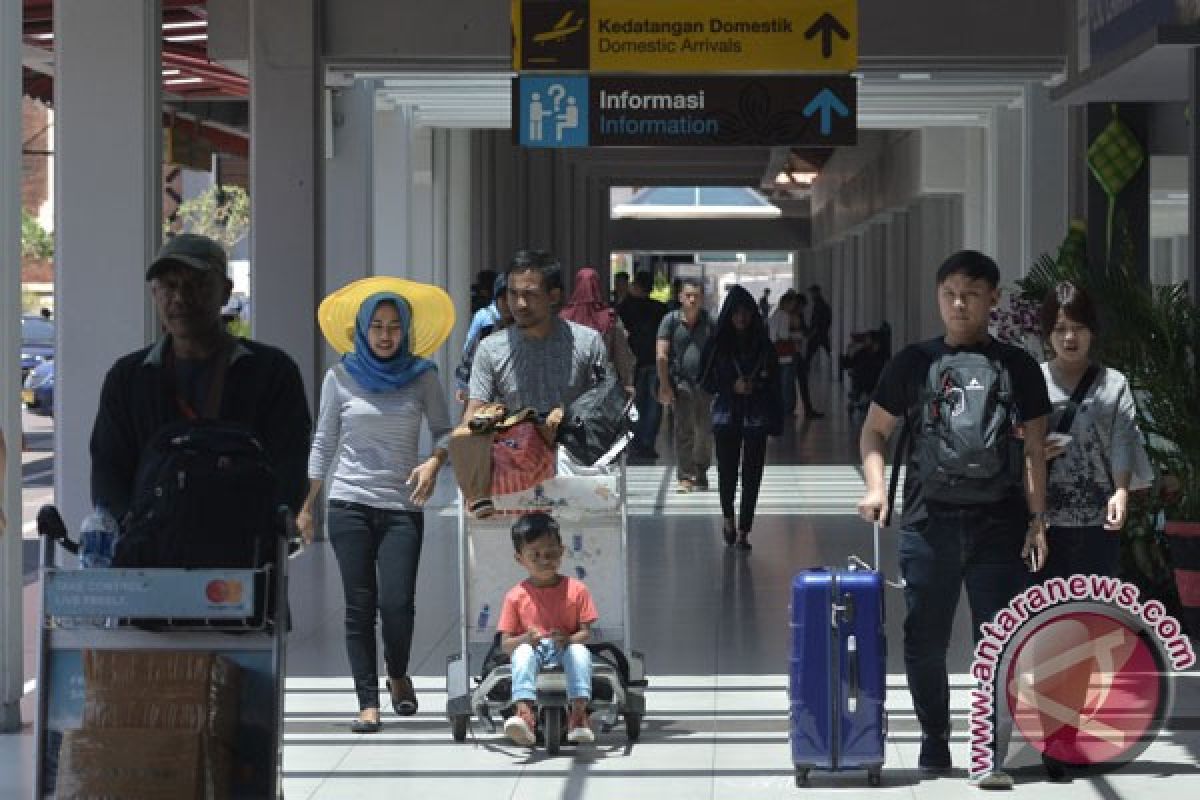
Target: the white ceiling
(887, 98)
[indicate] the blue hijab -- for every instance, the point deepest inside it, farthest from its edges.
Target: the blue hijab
(377, 374)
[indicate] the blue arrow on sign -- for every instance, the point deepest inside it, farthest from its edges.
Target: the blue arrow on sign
(828, 104)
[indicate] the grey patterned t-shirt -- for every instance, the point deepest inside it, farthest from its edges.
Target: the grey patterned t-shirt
(521, 371)
(1104, 439)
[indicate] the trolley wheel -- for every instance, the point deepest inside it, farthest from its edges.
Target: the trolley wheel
(801, 776)
(633, 726)
(874, 776)
(553, 730)
(458, 727)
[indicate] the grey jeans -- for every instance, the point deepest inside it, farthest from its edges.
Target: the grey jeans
(693, 431)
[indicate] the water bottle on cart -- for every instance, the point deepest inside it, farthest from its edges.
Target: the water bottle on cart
(97, 541)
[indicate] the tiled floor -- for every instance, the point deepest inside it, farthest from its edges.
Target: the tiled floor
(714, 628)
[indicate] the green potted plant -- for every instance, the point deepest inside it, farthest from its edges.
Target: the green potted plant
(1152, 335)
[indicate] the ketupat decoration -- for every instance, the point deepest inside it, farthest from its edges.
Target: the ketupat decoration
(1114, 157)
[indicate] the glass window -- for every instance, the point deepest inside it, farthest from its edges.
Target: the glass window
(730, 196)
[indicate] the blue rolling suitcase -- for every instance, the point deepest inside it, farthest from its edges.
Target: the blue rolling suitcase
(838, 673)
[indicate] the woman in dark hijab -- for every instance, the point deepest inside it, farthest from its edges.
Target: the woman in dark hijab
(741, 371)
(588, 307)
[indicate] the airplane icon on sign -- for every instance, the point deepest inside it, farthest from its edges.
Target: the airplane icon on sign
(561, 30)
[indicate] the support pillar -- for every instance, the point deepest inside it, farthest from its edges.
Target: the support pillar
(1193, 240)
(1005, 232)
(108, 155)
(285, 237)
(1044, 191)
(11, 656)
(349, 188)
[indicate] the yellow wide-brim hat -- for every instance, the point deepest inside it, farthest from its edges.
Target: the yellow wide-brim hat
(432, 313)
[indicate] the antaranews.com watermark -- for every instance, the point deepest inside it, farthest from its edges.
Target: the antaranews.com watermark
(1096, 630)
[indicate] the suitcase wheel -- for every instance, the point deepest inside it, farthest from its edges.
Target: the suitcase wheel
(801, 776)
(874, 776)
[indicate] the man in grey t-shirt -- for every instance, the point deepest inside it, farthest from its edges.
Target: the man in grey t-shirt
(540, 362)
(681, 338)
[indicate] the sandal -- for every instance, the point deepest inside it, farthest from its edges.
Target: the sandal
(360, 725)
(729, 532)
(486, 418)
(481, 508)
(404, 697)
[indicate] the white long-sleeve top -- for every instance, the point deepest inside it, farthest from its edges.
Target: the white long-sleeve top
(370, 439)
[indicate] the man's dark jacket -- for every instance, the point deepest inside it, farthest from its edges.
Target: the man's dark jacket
(263, 390)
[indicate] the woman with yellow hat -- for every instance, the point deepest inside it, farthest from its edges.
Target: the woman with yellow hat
(367, 435)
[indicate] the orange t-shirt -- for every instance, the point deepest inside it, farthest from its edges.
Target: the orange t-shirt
(565, 607)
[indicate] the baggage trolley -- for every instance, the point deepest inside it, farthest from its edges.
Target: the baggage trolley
(590, 505)
(240, 614)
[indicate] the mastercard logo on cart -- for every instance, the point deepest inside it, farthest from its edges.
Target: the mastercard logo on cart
(219, 591)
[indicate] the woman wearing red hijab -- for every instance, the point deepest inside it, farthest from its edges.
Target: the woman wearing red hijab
(588, 307)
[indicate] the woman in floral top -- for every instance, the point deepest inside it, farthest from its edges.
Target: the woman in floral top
(1087, 495)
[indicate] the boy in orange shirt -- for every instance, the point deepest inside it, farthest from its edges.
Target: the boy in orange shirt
(545, 621)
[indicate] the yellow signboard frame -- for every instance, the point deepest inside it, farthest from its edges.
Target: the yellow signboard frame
(687, 36)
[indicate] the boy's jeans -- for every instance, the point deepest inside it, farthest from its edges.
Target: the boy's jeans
(976, 546)
(528, 661)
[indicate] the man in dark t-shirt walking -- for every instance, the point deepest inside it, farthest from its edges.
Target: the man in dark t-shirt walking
(944, 545)
(641, 315)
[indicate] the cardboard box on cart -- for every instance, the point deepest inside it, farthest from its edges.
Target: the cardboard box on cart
(162, 689)
(142, 763)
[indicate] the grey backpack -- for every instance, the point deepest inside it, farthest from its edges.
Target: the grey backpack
(963, 442)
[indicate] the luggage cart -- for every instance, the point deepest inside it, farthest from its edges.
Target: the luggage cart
(590, 504)
(240, 614)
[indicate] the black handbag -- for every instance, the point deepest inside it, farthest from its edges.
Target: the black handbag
(596, 420)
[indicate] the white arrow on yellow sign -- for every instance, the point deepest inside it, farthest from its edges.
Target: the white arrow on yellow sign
(685, 36)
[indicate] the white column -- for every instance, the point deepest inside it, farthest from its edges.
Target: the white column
(349, 189)
(392, 191)
(283, 179)
(976, 192)
(107, 179)
(452, 222)
(1005, 170)
(1044, 178)
(11, 657)
(419, 264)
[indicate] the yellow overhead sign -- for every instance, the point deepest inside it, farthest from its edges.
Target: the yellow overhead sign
(691, 36)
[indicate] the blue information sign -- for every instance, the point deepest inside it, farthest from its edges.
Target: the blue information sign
(684, 110)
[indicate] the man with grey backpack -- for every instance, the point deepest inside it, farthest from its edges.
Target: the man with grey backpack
(974, 412)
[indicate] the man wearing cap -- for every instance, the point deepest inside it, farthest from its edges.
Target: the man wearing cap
(197, 370)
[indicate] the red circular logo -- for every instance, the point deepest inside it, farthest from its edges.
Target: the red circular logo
(216, 591)
(1087, 689)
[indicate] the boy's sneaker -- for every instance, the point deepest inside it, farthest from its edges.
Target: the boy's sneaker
(521, 727)
(996, 779)
(935, 755)
(579, 729)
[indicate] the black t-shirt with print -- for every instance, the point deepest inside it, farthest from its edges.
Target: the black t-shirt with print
(906, 375)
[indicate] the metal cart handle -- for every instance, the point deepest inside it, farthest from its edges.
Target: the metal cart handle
(50, 525)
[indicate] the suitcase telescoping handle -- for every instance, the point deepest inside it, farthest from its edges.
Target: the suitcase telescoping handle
(855, 561)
